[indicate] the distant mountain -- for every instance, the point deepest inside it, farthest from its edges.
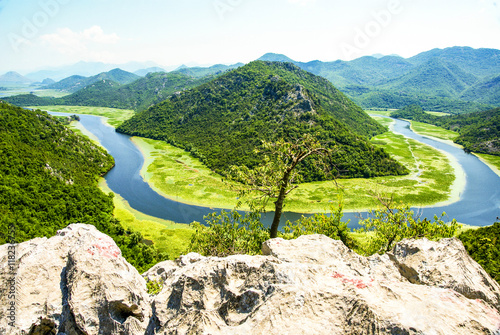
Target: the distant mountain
(439, 79)
(271, 57)
(479, 62)
(75, 83)
(199, 72)
(14, 78)
(224, 120)
(47, 81)
(144, 72)
(87, 69)
(138, 95)
(378, 55)
(70, 84)
(436, 77)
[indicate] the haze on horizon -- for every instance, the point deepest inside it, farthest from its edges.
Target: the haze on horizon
(39, 34)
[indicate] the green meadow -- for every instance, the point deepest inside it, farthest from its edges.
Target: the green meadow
(114, 117)
(433, 131)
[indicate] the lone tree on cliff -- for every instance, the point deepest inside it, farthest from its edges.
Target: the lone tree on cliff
(277, 176)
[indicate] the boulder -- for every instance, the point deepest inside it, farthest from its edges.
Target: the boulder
(76, 282)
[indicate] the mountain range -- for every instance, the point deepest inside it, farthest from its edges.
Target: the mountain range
(454, 80)
(439, 79)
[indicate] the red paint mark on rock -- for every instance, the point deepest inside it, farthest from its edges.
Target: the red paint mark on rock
(105, 248)
(356, 282)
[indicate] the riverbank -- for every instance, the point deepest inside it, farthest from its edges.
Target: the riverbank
(447, 136)
(168, 237)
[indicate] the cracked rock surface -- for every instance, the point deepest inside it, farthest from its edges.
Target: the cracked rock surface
(78, 283)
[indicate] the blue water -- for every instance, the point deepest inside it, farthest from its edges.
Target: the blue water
(479, 204)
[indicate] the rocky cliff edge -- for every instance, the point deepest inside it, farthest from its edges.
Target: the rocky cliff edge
(77, 283)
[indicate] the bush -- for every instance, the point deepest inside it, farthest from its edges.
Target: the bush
(330, 226)
(392, 223)
(483, 245)
(229, 233)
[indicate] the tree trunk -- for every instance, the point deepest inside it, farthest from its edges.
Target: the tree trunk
(278, 205)
(278, 209)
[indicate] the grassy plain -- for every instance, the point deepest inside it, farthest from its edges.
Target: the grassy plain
(114, 116)
(433, 131)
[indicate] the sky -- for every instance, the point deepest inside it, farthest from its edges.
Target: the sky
(39, 34)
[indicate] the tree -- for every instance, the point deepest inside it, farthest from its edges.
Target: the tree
(394, 222)
(277, 176)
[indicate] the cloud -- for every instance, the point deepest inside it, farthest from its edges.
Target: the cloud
(67, 41)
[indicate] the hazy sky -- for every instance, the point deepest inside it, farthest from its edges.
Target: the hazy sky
(41, 33)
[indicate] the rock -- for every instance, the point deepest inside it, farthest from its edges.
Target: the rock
(445, 264)
(78, 283)
(315, 285)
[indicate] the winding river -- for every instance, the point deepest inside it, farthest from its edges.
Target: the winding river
(479, 203)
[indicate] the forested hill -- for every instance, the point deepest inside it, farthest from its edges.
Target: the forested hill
(479, 132)
(223, 120)
(138, 95)
(48, 179)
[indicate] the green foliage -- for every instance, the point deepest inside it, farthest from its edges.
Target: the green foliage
(229, 233)
(278, 174)
(479, 132)
(393, 222)
(483, 245)
(223, 121)
(331, 226)
(154, 287)
(48, 180)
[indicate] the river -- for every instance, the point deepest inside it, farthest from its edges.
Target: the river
(479, 203)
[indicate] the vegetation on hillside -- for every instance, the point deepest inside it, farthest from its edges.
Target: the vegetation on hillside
(75, 83)
(138, 95)
(483, 244)
(48, 179)
(456, 79)
(224, 120)
(479, 132)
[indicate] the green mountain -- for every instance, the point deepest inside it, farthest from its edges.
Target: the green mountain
(479, 132)
(138, 95)
(478, 62)
(75, 83)
(224, 120)
(486, 91)
(436, 77)
(48, 180)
